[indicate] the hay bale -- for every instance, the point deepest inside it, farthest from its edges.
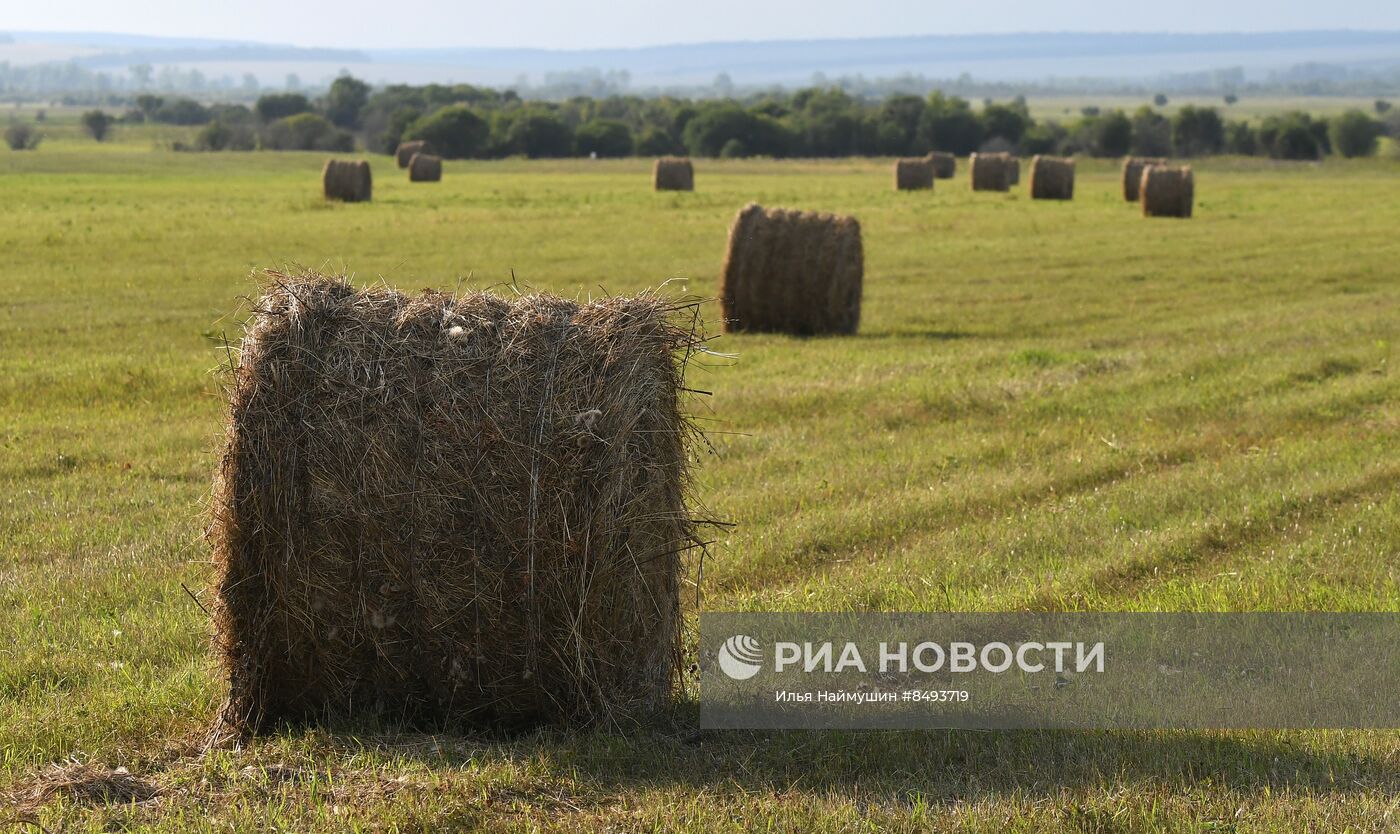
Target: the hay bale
(1013, 170)
(673, 174)
(452, 508)
(406, 150)
(913, 174)
(1167, 191)
(1052, 178)
(945, 165)
(792, 272)
(990, 171)
(1132, 174)
(347, 180)
(424, 167)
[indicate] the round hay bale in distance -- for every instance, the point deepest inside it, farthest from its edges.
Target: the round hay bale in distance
(452, 509)
(913, 174)
(673, 174)
(990, 171)
(347, 180)
(1052, 178)
(1167, 191)
(1013, 170)
(945, 165)
(406, 150)
(1132, 175)
(792, 272)
(425, 167)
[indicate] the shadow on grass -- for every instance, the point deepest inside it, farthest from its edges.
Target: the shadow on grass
(893, 767)
(929, 335)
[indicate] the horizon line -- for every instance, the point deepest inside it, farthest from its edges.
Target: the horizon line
(216, 41)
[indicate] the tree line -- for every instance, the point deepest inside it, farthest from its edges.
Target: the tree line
(469, 122)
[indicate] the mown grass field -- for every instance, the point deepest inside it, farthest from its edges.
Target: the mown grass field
(1049, 406)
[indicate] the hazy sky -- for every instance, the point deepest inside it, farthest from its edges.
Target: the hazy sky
(569, 23)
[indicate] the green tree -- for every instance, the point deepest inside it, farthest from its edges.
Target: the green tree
(1152, 133)
(182, 111)
(1241, 139)
(715, 125)
(384, 123)
(948, 124)
(149, 104)
(306, 132)
(1005, 121)
(898, 125)
(232, 114)
(1321, 135)
(1354, 133)
(273, 106)
(218, 136)
(1295, 141)
(1044, 138)
(98, 124)
(828, 122)
(1160, 100)
(1197, 131)
(1113, 134)
(657, 142)
(1294, 135)
(539, 134)
(22, 137)
(344, 101)
(456, 131)
(734, 149)
(605, 137)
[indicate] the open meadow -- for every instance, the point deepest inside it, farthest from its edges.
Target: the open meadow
(1049, 406)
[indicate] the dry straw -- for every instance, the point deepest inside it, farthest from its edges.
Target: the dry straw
(913, 174)
(424, 167)
(1052, 178)
(990, 171)
(1132, 174)
(347, 180)
(1167, 191)
(945, 165)
(404, 155)
(673, 174)
(452, 508)
(1013, 170)
(792, 272)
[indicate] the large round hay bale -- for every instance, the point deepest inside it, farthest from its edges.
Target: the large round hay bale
(792, 272)
(347, 180)
(1052, 178)
(453, 509)
(673, 174)
(424, 167)
(945, 165)
(1167, 191)
(913, 174)
(990, 171)
(1013, 170)
(406, 150)
(1132, 174)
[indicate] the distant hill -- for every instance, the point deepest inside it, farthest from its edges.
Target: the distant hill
(116, 40)
(1012, 57)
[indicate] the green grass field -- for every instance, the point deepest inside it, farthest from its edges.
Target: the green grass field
(1049, 406)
